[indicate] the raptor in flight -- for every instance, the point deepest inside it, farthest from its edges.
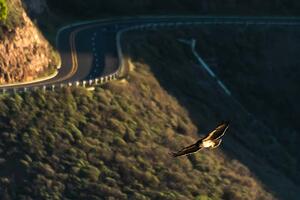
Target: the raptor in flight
(212, 140)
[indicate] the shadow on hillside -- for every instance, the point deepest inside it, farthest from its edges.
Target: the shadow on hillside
(46, 21)
(207, 104)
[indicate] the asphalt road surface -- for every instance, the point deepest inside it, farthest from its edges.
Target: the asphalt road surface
(89, 50)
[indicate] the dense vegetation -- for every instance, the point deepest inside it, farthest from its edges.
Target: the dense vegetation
(112, 143)
(3, 10)
(11, 12)
(262, 127)
(92, 8)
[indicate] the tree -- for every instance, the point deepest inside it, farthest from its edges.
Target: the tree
(3, 10)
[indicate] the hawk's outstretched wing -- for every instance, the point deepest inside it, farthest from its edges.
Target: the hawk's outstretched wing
(187, 150)
(212, 140)
(218, 132)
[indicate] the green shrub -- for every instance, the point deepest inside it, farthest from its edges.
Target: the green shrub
(3, 10)
(202, 197)
(90, 172)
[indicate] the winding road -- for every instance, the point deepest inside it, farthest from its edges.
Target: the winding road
(91, 51)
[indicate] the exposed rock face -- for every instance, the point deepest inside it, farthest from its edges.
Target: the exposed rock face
(24, 54)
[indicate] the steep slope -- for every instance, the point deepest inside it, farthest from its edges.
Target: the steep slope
(24, 53)
(252, 141)
(112, 143)
(260, 66)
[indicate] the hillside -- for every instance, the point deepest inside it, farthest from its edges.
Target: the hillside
(113, 143)
(260, 66)
(257, 138)
(24, 53)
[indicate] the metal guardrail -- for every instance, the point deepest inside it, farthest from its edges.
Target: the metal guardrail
(85, 83)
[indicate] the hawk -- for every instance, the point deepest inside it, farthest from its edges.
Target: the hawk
(212, 140)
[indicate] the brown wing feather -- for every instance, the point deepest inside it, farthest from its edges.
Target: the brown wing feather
(218, 132)
(187, 150)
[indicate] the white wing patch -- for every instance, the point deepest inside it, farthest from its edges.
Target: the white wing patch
(207, 143)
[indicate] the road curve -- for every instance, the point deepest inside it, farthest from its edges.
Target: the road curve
(91, 51)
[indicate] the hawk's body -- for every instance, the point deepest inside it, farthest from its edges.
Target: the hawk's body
(212, 140)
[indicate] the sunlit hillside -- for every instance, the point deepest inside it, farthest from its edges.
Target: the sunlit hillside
(114, 143)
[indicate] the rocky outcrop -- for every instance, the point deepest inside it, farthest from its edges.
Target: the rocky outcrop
(24, 53)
